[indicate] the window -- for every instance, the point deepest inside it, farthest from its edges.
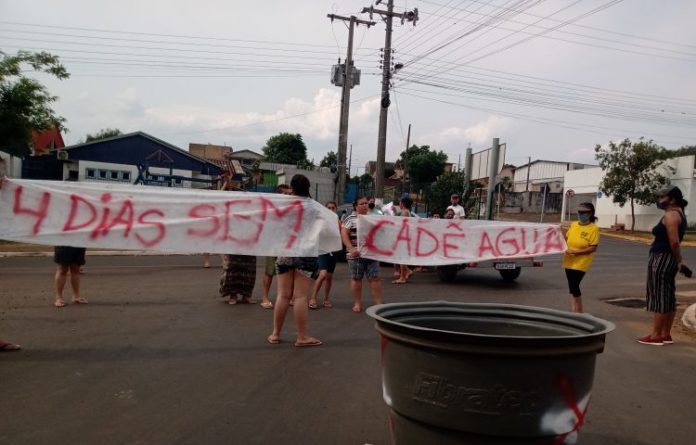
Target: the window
(102, 174)
(73, 175)
(126, 176)
(91, 173)
(114, 175)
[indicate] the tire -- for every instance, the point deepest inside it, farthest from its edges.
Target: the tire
(510, 274)
(447, 274)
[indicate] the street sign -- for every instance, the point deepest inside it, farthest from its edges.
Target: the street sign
(570, 193)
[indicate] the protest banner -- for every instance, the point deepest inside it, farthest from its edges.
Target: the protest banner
(434, 242)
(119, 216)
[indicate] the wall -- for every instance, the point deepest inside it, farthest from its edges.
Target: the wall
(13, 165)
(82, 166)
(541, 172)
(323, 185)
(585, 184)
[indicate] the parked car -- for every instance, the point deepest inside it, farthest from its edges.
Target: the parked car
(509, 270)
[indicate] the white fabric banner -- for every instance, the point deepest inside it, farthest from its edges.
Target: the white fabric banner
(165, 219)
(433, 242)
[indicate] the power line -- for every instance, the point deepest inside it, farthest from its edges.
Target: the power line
(112, 31)
(593, 28)
(560, 123)
(594, 37)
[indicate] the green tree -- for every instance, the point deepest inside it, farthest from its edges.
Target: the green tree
(25, 104)
(104, 133)
(330, 160)
(422, 165)
(632, 172)
(286, 148)
(445, 186)
(686, 150)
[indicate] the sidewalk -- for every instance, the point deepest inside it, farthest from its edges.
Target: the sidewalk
(645, 237)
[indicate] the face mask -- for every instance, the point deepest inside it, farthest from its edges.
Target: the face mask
(583, 217)
(371, 205)
(662, 204)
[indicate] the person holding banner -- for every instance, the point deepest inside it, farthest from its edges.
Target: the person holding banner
(68, 259)
(295, 277)
(583, 239)
(327, 266)
(404, 271)
(269, 269)
(360, 267)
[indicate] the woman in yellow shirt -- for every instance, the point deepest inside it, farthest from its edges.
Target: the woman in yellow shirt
(583, 239)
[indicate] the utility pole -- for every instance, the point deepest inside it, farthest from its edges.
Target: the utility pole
(345, 103)
(350, 159)
(408, 144)
(388, 15)
(492, 174)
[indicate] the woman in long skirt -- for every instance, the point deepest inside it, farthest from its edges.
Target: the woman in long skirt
(238, 278)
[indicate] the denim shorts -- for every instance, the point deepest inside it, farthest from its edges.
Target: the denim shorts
(363, 268)
(307, 266)
(327, 262)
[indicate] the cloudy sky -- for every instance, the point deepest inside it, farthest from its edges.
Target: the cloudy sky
(550, 78)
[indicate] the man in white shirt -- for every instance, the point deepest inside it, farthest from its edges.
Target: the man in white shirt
(458, 210)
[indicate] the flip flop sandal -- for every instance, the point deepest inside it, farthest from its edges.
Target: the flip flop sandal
(312, 306)
(328, 305)
(8, 347)
(273, 341)
(313, 342)
(59, 303)
(267, 305)
(80, 301)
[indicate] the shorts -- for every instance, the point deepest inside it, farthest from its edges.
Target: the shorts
(363, 268)
(269, 268)
(307, 266)
(574, 278)
(327, 262)
(69, 256)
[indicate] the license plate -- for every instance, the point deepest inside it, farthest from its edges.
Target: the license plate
(505, 266)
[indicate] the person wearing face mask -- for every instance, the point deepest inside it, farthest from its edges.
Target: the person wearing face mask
(582, 238)
(664, 263)
(371, 206)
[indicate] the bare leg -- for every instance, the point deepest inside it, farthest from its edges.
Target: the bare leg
(206, 260)
(317, 287)
(661, 322)
(669, 322)
(327, 288)
(376, 290)
(265, 299)
(285, 290)
(75, 284)
(300, 310)
(577, 304)
(356, 288)
(59, 284)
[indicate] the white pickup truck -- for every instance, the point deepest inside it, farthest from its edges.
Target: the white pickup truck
(509, 269)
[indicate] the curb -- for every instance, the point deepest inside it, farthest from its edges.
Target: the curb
(640, 239)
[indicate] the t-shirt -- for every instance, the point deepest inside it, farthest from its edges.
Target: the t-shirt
(351, 225)
(459, 212)
(581, 237)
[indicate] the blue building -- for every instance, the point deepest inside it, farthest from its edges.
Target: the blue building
(129, 158)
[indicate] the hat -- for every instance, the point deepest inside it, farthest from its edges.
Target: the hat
(675, 193)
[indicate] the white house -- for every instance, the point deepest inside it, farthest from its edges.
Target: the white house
(537, 174)
(584, 186)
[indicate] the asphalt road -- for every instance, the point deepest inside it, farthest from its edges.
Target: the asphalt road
(157, 358)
